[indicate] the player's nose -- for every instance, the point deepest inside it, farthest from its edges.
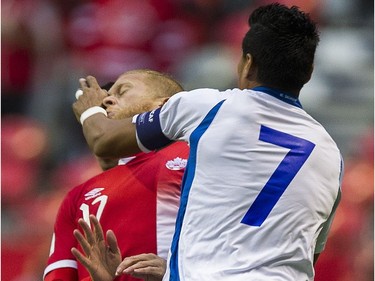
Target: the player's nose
(109, 100)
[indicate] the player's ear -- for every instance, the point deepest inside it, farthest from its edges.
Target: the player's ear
(249, 68)
(246, 71)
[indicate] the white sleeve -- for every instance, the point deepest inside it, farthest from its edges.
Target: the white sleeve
(185, 111)
(177, 119)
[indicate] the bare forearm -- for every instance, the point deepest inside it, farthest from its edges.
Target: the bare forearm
(110, 138)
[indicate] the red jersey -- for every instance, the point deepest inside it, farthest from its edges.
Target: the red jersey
(138, 201)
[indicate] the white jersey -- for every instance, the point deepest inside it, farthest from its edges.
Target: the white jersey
(260, 188)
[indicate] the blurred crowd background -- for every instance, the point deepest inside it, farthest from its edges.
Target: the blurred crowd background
(46, 46)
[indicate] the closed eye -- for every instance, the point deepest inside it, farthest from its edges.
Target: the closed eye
(123, 92)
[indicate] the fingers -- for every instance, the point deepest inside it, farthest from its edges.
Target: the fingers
(86, 83)
(147, 262)
(80, 257)
(82, 82)
(91, 237)
(148, 272)
(95, 255)
(87, 231)
(88, 95)
(89, 82)
(112, 242)
(98, 231)
(82, 241)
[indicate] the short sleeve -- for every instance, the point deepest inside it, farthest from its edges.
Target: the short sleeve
(176, 119)
(63, 240)
(148, 131)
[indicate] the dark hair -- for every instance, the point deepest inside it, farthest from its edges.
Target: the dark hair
(282, 42)
(107, 86)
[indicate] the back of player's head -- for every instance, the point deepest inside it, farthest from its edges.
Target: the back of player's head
(282, 42)
(161, 84)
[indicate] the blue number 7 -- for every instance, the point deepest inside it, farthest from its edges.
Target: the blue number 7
(300, 150)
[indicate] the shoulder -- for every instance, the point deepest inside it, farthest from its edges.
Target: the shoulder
(196, 96)
(198, 100)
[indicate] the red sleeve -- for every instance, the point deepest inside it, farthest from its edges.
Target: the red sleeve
(63, 274)
(63, 239)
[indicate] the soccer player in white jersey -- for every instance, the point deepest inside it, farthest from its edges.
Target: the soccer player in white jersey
(263, 177)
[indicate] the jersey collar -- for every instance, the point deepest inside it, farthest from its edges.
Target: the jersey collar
(123, 161)
(279, 95)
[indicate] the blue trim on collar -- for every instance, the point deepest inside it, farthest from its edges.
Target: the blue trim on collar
(279, 95)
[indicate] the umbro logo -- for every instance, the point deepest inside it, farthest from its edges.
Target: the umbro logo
(93, 193)
(176, 164)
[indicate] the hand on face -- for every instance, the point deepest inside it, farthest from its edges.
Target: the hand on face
(92, 95)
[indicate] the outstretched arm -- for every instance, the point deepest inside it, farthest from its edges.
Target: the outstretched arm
(101, 256)
(105, 137)
(148, 267)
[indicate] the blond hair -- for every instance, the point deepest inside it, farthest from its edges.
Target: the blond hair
(163, 84)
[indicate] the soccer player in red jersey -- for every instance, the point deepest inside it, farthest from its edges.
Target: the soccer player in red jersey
(137, 199)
